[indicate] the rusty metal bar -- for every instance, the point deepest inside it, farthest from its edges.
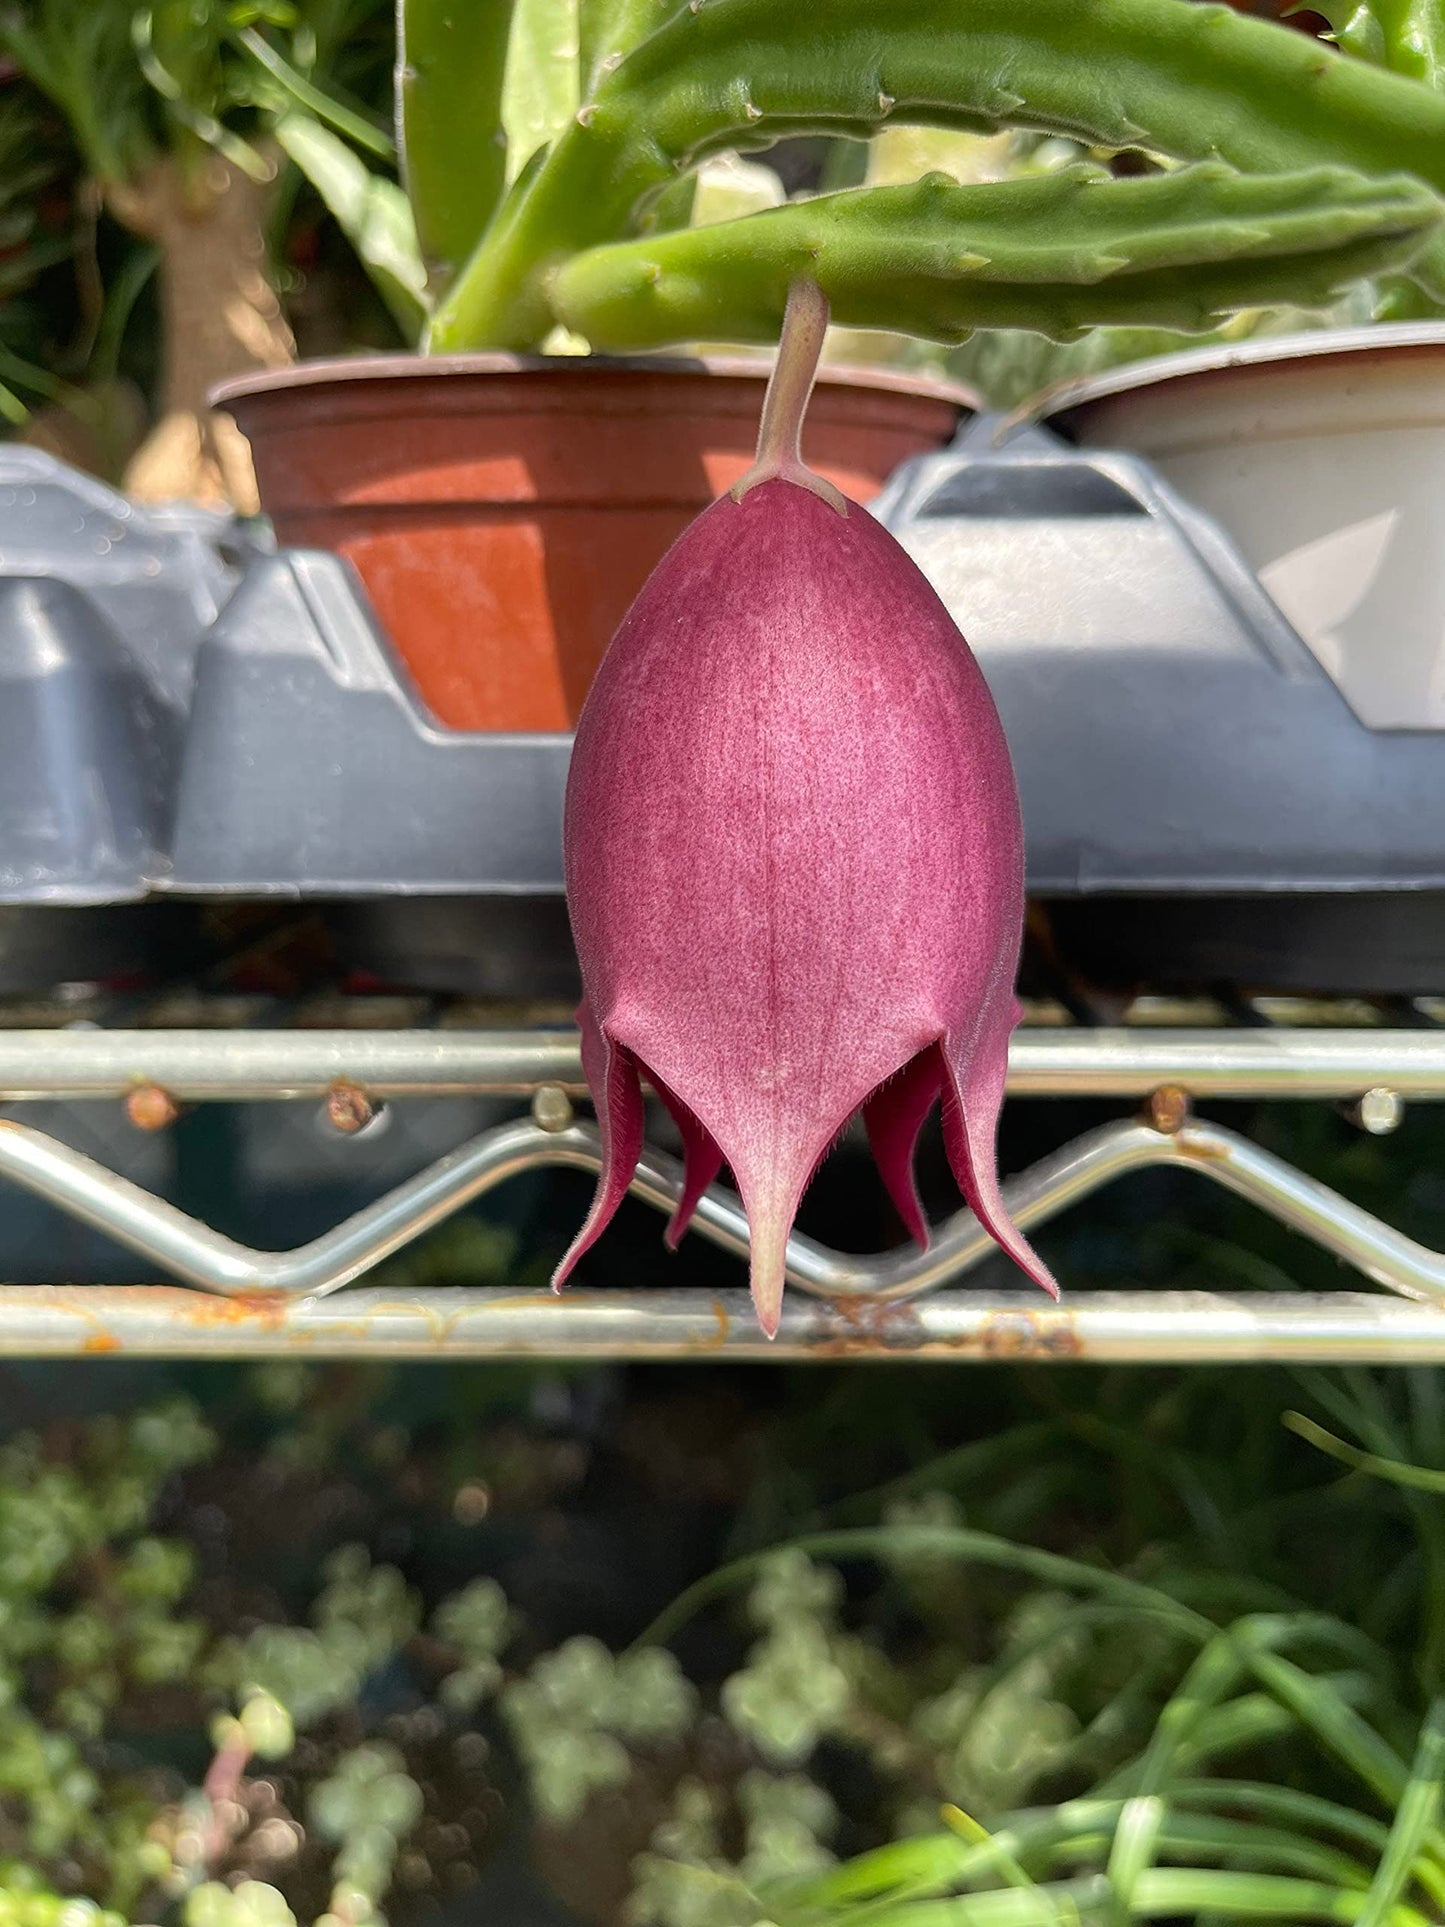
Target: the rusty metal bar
(162, 1321)
(197, 1066)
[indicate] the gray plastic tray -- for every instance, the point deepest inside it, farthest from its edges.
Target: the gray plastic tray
(188, 716)
(1171, 731)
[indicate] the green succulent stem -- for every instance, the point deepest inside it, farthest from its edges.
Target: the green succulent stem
(450, 60)
(611, 28)
(1055, 253)
(1407, 36)
(1197, 82)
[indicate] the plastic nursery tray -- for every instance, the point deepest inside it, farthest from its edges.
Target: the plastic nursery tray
(1201, 804)
(188, 717)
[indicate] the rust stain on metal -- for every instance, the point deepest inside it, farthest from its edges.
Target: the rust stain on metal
(1030, 1334)
(442, 1325)
(1208, 1152)
(99, 1338)
(348, 1108)
(1167, 1109)
(845, 1327)
(718, 1337)
(265, 1307)
(150, 1108)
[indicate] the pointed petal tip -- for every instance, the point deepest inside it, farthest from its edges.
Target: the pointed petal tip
(565, 1268)
(768, 1272)
(970, 1122)
(681, 1218)
(612, 1079)
(1037, 1272)
(893, 1118)
(701, 1160)
(768, 1303)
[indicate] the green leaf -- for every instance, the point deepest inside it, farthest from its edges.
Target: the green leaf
(1133, 1851)
(1323, 1709)
(977, 1835)
(80, 55)
(540, 92)
(1418, 1478)
(173, 64)
(477, 1619)
(371, 210)
(1414, 1818)
(960, 1544)
(1057, 253)
(314, 100)
(451, 59)
(268, 1727)
(1186, 1892)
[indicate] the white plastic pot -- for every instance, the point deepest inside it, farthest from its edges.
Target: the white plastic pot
(1323, 456)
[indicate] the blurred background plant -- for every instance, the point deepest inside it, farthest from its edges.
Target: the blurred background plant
(679, 1648)
(898, 1705)
(182, 224)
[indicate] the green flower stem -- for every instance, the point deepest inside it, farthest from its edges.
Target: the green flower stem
(1056, 253)
(1420, 1478)
(1198, 82)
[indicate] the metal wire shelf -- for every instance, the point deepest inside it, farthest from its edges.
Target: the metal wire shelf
(355, 1054)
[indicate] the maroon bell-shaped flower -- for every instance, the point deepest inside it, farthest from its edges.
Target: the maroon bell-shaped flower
(794, 857)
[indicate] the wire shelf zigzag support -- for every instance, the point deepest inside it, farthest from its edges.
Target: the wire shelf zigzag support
(241, 1301)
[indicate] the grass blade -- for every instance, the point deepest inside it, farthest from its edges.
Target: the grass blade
(888, 1543)
(1414, 1818)
(1419, 1478)
(1166, 1893)
(1319, 1705)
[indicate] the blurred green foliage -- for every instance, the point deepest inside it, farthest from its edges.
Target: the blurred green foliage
(93, 94)
(324, 1651)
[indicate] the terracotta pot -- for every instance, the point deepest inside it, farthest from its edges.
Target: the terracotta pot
(503, 513)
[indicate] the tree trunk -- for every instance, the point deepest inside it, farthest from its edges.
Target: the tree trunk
(220, 316)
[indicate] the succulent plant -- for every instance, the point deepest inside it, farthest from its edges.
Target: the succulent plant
(550, 151)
